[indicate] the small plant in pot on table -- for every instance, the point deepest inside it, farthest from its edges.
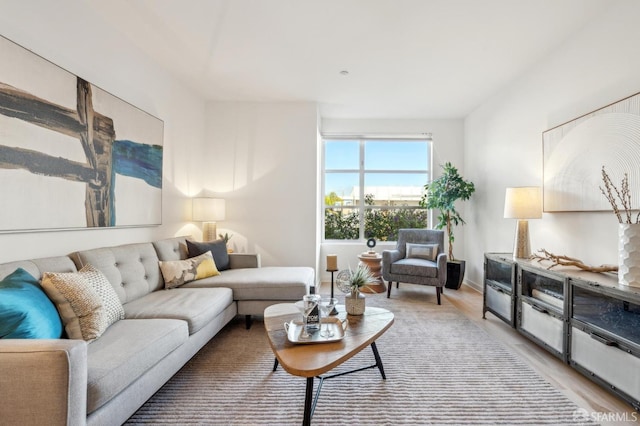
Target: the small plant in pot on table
(351, 282)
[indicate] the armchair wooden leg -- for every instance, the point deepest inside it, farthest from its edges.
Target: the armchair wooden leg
(438, 291)
(389, 289)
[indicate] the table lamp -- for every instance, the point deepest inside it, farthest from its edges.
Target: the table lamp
(522, 203)
(208, 211)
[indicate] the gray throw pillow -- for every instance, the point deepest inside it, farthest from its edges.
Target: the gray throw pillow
(218, 249)
(422, 251)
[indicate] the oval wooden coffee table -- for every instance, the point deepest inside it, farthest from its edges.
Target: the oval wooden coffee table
(313, 360)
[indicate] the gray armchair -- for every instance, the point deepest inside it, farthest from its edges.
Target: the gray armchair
(418, 258)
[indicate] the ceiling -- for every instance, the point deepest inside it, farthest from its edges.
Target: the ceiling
(405, 58)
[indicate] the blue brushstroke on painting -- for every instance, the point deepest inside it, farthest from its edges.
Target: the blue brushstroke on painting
(137, 160)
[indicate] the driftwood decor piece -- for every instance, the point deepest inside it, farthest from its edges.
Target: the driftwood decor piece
(561, 260)
(71, 154)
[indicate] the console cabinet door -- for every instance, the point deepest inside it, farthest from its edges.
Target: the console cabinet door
(602, 357)
(499, 302)
(499, 287)
(543, 326)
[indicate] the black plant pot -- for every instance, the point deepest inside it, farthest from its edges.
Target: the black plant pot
(455, 274)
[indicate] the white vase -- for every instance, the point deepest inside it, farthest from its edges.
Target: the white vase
(354, 303)
(629, 254)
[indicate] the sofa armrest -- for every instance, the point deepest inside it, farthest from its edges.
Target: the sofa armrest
(43, 381)
(244, 260)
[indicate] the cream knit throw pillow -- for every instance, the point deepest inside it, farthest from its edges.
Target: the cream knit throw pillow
(80, 307)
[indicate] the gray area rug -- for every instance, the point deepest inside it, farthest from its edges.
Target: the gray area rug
(441, 369)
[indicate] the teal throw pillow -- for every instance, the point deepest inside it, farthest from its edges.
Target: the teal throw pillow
(25, 310)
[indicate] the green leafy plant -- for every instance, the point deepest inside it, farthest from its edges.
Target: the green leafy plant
(442, 194)
(226, 237)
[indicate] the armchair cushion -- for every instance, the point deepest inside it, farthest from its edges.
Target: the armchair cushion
(413, 266)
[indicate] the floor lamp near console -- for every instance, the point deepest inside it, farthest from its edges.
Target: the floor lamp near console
(208, 211)
(522, 203)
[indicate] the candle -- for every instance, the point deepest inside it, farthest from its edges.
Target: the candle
(332, 262)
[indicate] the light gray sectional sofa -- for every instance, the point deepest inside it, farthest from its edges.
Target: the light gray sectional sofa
(71, 382)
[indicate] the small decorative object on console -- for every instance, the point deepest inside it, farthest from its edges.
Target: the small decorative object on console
(570, 261)
(628, 230)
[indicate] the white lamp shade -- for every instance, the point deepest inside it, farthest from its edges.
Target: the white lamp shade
(208, 209)
(523, 202)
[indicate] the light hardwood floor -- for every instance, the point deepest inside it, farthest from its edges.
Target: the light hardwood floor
(599, 403)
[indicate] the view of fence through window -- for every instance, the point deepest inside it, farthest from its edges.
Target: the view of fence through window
(373, 187)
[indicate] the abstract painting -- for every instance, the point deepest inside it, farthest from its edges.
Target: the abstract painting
(575, 152)
(71, 154)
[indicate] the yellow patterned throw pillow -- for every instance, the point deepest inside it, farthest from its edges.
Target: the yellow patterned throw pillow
(81, 310)
(179, 272)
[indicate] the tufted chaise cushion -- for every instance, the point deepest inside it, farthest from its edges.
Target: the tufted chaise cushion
(172, 248)
(132, 269)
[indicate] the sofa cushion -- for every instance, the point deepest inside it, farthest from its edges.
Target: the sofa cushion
(78, 303)
(267, 283)
(35, 267)
(197, 307)
(217, 248)
(171, 248)
(178, 272)
(25, 310)
(132, 269)
(126, 351)
(413, 266)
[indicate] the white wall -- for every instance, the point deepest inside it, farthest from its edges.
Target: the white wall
(503, 139)
(262, 158)
(70, 34)
(447, 146)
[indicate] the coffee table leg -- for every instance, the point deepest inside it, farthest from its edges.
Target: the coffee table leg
(275, 364)
(308, 402)
(378, 360)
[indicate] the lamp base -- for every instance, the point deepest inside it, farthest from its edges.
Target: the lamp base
(209, 231)
(521, 245)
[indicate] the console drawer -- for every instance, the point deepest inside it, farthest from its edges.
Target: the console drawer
(499, 302)
(615, 366)
(543, 326)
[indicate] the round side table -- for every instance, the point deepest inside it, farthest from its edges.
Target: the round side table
(374, 263)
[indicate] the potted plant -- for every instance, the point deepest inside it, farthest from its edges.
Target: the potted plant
(351, 282)
(226, 237)
(442, 194)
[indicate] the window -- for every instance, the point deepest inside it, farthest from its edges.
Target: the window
(372, 187)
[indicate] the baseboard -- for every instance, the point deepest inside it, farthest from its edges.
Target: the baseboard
(477, 287)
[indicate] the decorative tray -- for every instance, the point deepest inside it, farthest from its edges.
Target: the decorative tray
(295, 331)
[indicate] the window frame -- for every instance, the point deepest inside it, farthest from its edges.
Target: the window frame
(361, 205)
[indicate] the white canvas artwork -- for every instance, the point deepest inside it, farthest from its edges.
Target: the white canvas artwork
(575, 152)
(71, 154)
